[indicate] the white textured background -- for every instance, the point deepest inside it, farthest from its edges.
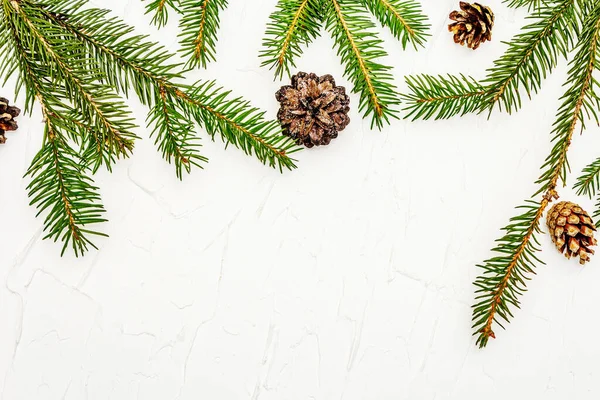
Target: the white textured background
(349, 278)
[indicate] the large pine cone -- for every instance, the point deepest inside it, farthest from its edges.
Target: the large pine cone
(313, 109)
(473, 24)
(7, 118)
(572, 230)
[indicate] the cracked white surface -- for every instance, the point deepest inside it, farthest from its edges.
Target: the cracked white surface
(349, 278)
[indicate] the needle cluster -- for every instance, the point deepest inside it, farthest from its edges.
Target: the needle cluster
(199, 25)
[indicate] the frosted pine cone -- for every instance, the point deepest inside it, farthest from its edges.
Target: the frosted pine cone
(313, 109)
(7, 118)
(572, 230)
(473, 24)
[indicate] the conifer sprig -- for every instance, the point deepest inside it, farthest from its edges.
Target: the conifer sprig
(296, 23)
(199, 26)
(504, 276)
(405, 19)
(160, 9)
(358, 47)
(76, 62)
(530, 58)
(293, 24)
(444, 96)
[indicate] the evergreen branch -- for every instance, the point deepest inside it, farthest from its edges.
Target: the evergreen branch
(404, 18)
(152, 80)
(504, 277)
(59, 185)
(61, 188)
(533, 54)
(238, 123)
(589, 182)
(359, 47)
(292, 24)
(160, 8)
(529, 59)
(199, 26)
(579, 101)
(443, 97)
(67, 63)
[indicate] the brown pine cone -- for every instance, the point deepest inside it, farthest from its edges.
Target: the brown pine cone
(7, 118)
(313, 109)
(473, 24)
(572, 230)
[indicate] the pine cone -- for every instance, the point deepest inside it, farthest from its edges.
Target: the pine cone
(7, 118)
(473, 24)
(572, 230)
(313, 109)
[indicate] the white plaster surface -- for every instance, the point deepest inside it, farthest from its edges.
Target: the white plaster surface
(349, 278)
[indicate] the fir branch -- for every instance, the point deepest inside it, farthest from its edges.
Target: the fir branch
(358, 47)
(199, 26)
(532, 54)
(589, 182)
(292, 24)
(404, 18)
(160, 9)
(504, 277)
(443, 97)
(529, 59)
(143, 66)
(113, 136)
(238, 123)
(60, 186)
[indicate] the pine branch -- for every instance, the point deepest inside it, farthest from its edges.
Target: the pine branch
(404, 18)
(530, 58)
(74, 62)
(533, 54)
(443, 97)
(160, 9)
(293, 24)
(143, 66)
(504, 277)
(199, 26)
(358, 47)
(60, 187)
(65, 62)
(589, 182)
(238, 123)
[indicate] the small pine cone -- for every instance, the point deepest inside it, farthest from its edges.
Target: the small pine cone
(7, 118)
(313, 109)
(572, 230)
(473, 24)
